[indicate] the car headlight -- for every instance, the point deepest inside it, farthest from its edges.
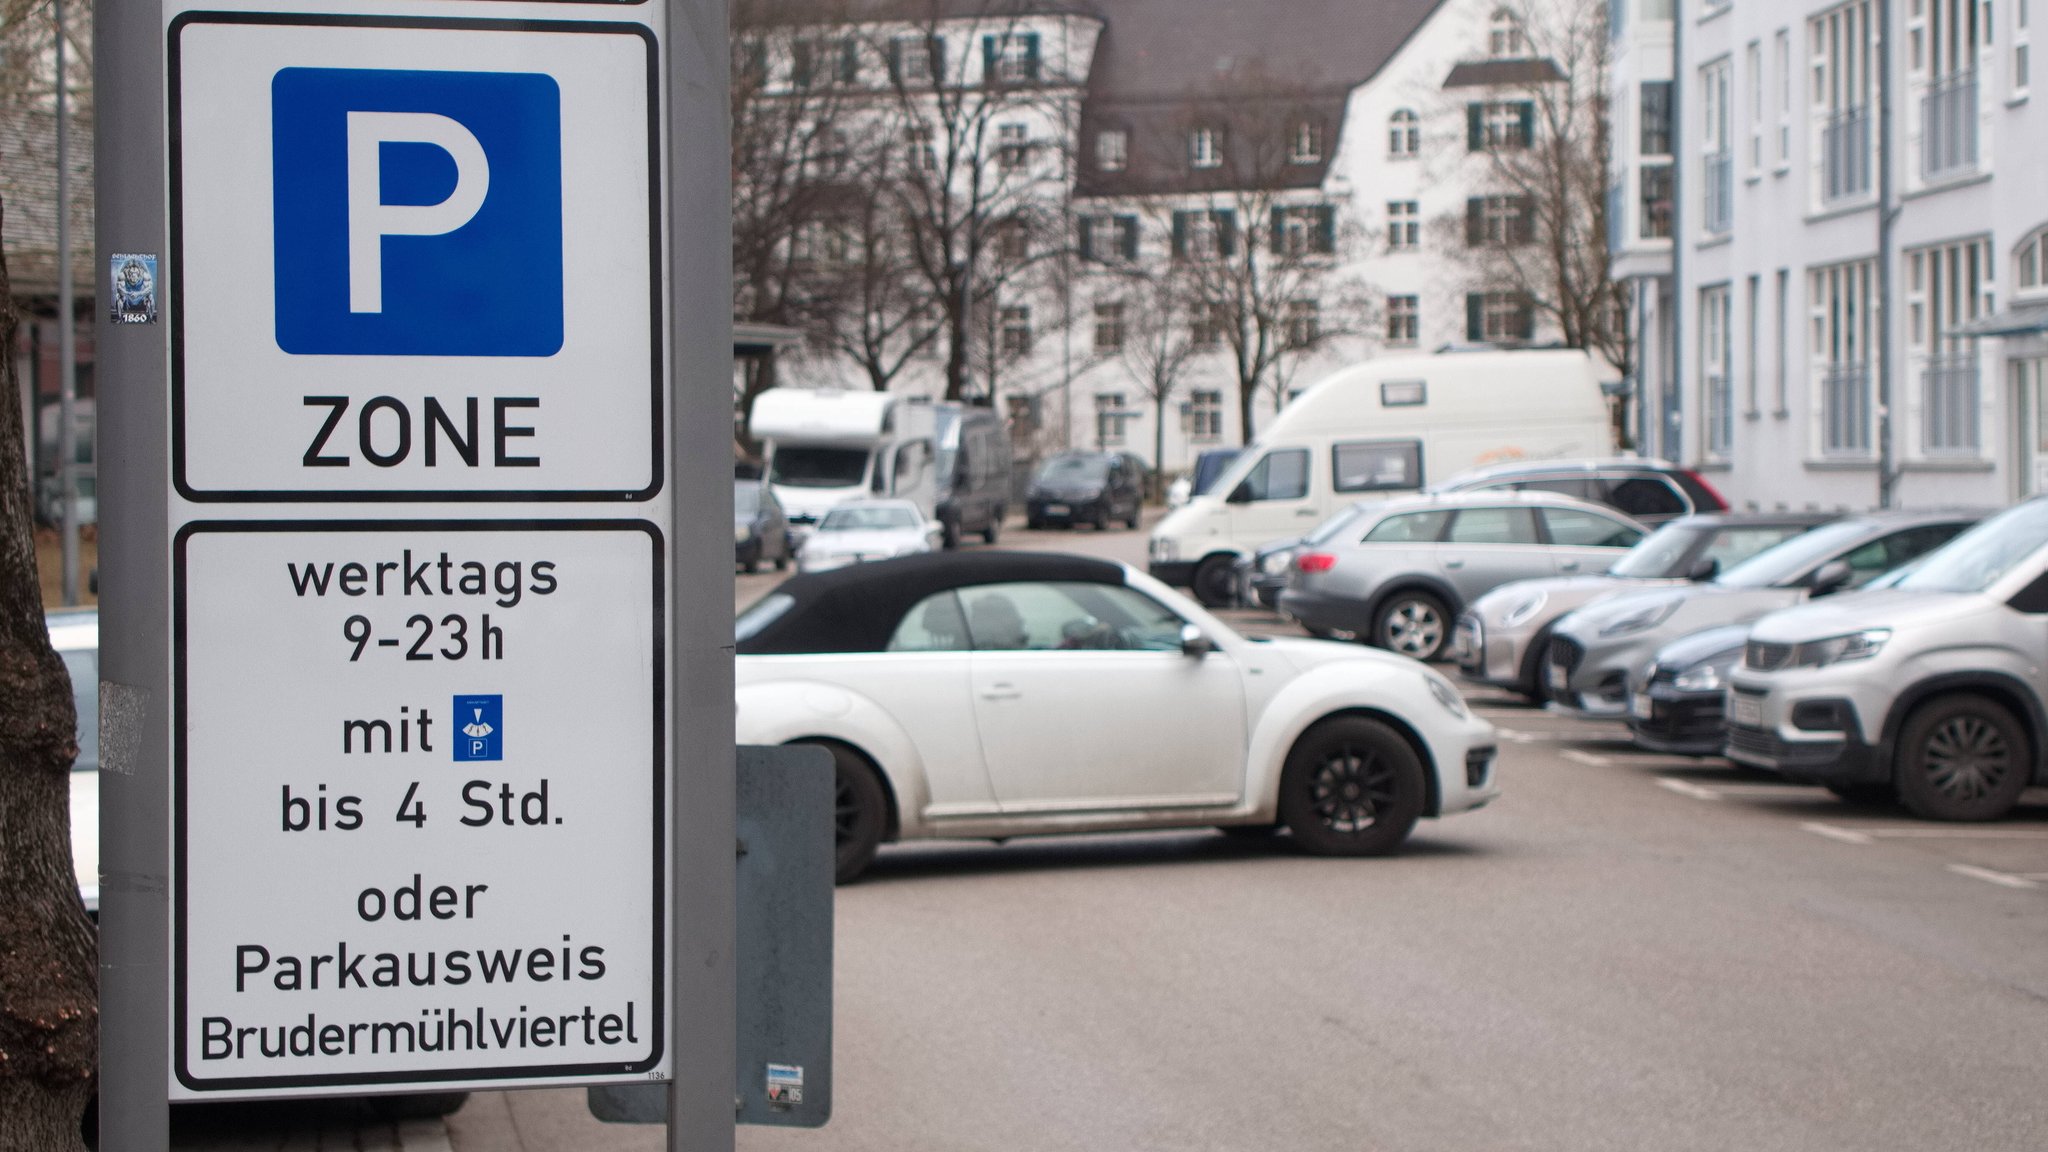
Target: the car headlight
(1642, 619)
(1446, 695)
(1165, 550)
(1520, 611)
(1709, 677)
(1276, 564)
(1838, 649)
(740, 532)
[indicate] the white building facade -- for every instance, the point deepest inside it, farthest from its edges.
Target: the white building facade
(1797, 317)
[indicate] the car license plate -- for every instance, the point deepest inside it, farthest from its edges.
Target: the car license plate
(1555, 676)
(1057, 509)
(1641, 707)
(1747, 711)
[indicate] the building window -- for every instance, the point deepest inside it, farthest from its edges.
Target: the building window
(1011, 58)
(916, 60)
(1781, 307)
(820, 243)
(829, 151)
(1404, 135)
(1656, 206)
(1109, 326)
(1110, 418)
(1718, 391)
(1303, 230)
(2030, 264)
(1112, 150)
(1498, 125)
(1404, 225)
(1498, 318)
(1781, 49)
(1752, 343)
(1753, 60)
(1304, 323)
(1947, 287)
(1012, 241)
(1844, 84)
(1205, 416)
(822, 63)
(1109, 239)
(1656, 127)
(1844, 335)
(1205, 234)
(1015, 321)
(1499, 221)
(1305, 143)
(1013, 145)
(1404, 321)
(1206, 323)
(1205, 148)
(2019, 72)
(1504, 39)
(1946, 39)
(1718, 165)
(923, 155)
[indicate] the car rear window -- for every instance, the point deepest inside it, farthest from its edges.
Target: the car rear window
(1578, 528)
(1408, 528)
(1493, 526)
(1644, 496)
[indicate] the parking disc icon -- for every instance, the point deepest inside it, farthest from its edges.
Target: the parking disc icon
(480, 728)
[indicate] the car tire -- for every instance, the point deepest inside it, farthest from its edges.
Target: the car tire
(995, 527)
(1034, 525)
(1352, 787)
(1102, 517)
(860, 810)
(782, 562)
(1864, 795)
(1538, 692)
(1963, 757)
(1215, 581)
(1413, 623)
(752, 563)
(949, 534)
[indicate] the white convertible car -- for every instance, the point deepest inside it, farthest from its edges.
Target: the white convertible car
(998, 694)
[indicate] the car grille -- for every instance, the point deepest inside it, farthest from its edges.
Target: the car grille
(1566, 653)
(1766, 657)
(1478, 766)
(1755, 741)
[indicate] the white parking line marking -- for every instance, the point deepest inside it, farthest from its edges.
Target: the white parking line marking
(1794, 791)
(1956, 833)
(1833, 832)
(1686, 788)
(1586, 758)
(1991, 876)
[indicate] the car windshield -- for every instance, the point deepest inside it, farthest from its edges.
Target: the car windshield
(1069, 468)
(746, 500)
(1976, 559)
(1661, 555)
(1337, 522)
(1788, 561)
(1209, 468)
(867, 519)
(760, 614)
(804, 466)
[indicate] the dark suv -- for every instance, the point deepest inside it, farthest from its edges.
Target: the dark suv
(1087, 488)
(1651, 491)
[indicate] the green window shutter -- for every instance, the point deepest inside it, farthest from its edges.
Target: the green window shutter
(1128, 226)
(1278, 228)
(800, 64)
(1475, 222)
(938, 55)
(1475, 127)
(895, 62)
(1087, 237)
(1031, 55)
(990, 52)
(1526, 112)
(1180, 234)
(1525, 319)
(1226, 231)
(1326, 229)
(849, 61)
(1525, 220)
(1475, 317)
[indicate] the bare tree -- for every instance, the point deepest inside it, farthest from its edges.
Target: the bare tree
(28, 35)
(48, 1009)
(1156, 344)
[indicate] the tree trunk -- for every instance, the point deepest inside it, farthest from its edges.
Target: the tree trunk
(49, 1027)
(1159, 396)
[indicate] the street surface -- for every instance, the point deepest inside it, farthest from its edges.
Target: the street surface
(1627, 951)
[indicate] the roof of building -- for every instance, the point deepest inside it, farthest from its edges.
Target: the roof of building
(1519, 73)
(28, 196)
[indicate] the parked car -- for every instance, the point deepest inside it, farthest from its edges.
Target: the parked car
(1397, 577)
(1595, 650)
(1675, 701)
(997, 694)
(1648, 490)
(974, 471)
(1087, 488)
(1262, 578)
(759, 529)
(863, 530)
(75, 634)
(1502, 639)
(1930, 690)
(1197, 481)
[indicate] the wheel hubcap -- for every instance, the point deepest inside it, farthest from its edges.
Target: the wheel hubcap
(1350, 787)
(1414, 628)
(1967, 758)
(845, 811)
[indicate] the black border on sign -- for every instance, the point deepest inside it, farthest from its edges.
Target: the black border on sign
(657, 320)
(180, 830)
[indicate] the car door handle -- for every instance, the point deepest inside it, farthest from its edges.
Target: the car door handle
(1569, 566)
(1304, 511)
(1001, 692)
(1454, 564)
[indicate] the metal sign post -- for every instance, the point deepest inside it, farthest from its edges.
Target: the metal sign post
(400, 496)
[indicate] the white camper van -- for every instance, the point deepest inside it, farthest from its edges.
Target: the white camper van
(1379, 429)
(829, 445)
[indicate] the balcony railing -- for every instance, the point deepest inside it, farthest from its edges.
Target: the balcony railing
(1720, 193)
(1845, 410)
(1950, 384)
(1845, 155)
(1948, 126)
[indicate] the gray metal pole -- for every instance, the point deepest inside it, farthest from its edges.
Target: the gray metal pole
(134, 603)
(702, 1097)
(67, 334)
(1887, 469)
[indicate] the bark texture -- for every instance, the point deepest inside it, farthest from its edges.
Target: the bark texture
(49, 1022)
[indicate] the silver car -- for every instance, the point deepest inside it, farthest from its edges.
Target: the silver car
(1930, 690)
(1397, 576)
(1594, 651)
(1501, 640)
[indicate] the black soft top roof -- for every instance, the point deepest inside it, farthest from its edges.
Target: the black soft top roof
(856, 609)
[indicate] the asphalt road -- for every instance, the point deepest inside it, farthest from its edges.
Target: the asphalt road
(1627, 952)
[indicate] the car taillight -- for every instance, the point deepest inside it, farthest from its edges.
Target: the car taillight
(1710, 490)
(1315, 561)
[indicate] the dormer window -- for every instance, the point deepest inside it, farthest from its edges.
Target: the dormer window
(1404, 134)
(1305, 143)
(1112, 150)
(1504, 39)
(1205, 148)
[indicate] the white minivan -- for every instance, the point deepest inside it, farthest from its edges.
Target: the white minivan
(826, 446)
(1380, 429)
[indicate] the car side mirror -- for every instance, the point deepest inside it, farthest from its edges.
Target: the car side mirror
(1194, 643)
(1830, 577)
(1242, 494)
(1704, 569)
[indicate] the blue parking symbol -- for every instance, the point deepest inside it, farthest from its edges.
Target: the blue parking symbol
(417, 213)
(479, 728)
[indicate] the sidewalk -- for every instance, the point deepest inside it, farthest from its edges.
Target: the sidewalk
(309, 1126)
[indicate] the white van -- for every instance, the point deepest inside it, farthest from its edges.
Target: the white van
(1379, 429)
(828, 445)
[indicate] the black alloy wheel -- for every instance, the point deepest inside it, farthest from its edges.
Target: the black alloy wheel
(1215, 582)
(1352, 787)
(1963, 757)
(860, 810)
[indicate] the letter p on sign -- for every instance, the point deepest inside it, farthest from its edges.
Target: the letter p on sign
(417, 213)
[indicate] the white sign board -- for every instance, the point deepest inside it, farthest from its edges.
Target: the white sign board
(419, 804)
(415, 257)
